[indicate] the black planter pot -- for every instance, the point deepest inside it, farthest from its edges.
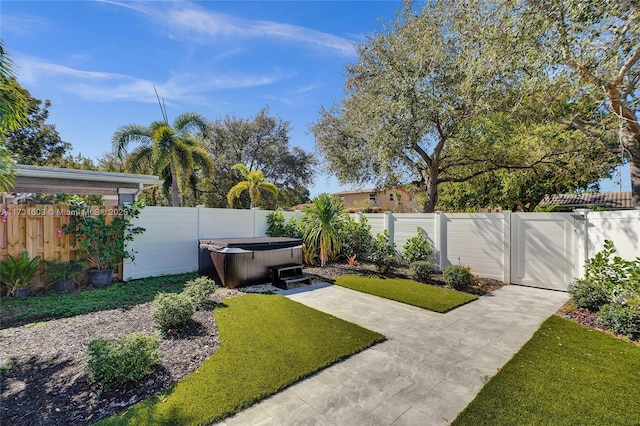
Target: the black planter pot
(65, 285)
(21, 292)
(100, 278)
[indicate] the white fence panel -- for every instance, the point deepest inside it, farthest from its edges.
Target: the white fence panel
(406, 226)
(621, 227)
(169, 244)
(226, 223)
(376, 221)
(476, 240)
(543, 249)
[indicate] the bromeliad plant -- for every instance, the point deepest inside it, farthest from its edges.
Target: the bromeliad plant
(17, 272)
(104, 245)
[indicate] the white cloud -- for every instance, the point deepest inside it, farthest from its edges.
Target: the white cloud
(196, 23)
(23, 25)
(105, 86)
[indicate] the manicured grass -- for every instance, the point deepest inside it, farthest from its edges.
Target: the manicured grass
(267, 343)
(406, 291)
(567, 374)
(59, 305)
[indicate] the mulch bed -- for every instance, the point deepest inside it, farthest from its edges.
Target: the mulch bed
(44, 381)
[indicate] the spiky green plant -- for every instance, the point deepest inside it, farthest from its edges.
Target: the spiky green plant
(17, 272)
(323, 225)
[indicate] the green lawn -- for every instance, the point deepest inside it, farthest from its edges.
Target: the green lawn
(267, 343)
(53, 305)
(567, 374)
(406, 291)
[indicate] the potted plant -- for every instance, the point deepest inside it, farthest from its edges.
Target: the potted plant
(62, 274)
(103, 245)
(16, 273)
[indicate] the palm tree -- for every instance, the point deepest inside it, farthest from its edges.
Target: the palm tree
(323, 224)
(173, 149)
(253, 182)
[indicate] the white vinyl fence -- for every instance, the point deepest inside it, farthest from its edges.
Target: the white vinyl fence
(170, 243)
(538, 249)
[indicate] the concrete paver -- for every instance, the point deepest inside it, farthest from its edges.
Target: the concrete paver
(429, 369)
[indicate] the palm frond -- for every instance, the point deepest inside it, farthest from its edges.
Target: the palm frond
(182, 155)
(244, 170)
(130, 133)
(235, 192)
(202, 158)
(269, 187)
(192, 123)
(140, 160)
(163, 139)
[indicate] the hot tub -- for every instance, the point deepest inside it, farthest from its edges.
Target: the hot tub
(238, 262)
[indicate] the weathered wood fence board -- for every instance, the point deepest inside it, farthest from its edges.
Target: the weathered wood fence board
(37, 229)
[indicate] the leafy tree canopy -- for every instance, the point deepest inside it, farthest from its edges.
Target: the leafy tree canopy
(260, 143)
(37, 142)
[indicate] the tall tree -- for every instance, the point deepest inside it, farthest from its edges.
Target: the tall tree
(174, 150)
(546, 158)
(253, 183)
(261, 143)
(592, 47)
(37, 142)
(414, 88)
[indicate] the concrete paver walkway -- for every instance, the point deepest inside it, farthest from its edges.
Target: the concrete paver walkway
(429, 369)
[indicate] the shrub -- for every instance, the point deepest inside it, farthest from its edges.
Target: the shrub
(17, 272)
(358, 239)
(621, 319)
(292, 229)
(620, 277)
(172, 311)
(421, 270)
(113, 362)
(417, 248)
(276, 226)
(588, 294)
(457, 277)
(384, 254)
(199, 290)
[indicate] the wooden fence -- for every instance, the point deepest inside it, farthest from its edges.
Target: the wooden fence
(37, 229)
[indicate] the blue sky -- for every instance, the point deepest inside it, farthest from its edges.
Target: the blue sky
(97, 61)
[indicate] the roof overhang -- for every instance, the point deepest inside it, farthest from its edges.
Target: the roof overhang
(51, 180)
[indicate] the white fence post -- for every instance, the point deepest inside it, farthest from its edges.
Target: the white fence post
(581, 220)
(253, 231)
(506, 246)
(440, 239)
(388, 226)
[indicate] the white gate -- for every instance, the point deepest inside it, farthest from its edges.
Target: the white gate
(543, 249)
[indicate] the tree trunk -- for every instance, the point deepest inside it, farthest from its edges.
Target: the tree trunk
(634, 166)
(175, 202)
(432, 194)
(629, 135)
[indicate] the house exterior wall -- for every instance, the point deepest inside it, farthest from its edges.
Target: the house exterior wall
(394, 200)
